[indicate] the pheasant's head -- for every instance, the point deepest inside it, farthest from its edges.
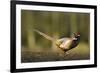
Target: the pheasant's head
(77, 35)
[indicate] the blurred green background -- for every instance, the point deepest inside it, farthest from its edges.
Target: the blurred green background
(36, 48)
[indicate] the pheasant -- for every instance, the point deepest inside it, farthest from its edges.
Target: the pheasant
(65, 44)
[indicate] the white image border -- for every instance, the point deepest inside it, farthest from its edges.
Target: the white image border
(20, 65)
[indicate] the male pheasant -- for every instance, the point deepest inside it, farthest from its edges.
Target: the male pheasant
(65, 44)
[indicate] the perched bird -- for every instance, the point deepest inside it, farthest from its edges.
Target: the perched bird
(65, 44)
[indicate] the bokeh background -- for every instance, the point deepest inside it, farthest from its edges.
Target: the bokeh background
(35, 48)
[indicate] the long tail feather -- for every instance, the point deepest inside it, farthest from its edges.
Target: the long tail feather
(44, 35)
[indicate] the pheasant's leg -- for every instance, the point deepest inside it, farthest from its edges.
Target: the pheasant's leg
(64, 55)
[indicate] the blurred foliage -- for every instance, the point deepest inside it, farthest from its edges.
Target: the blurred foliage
(54, 24)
